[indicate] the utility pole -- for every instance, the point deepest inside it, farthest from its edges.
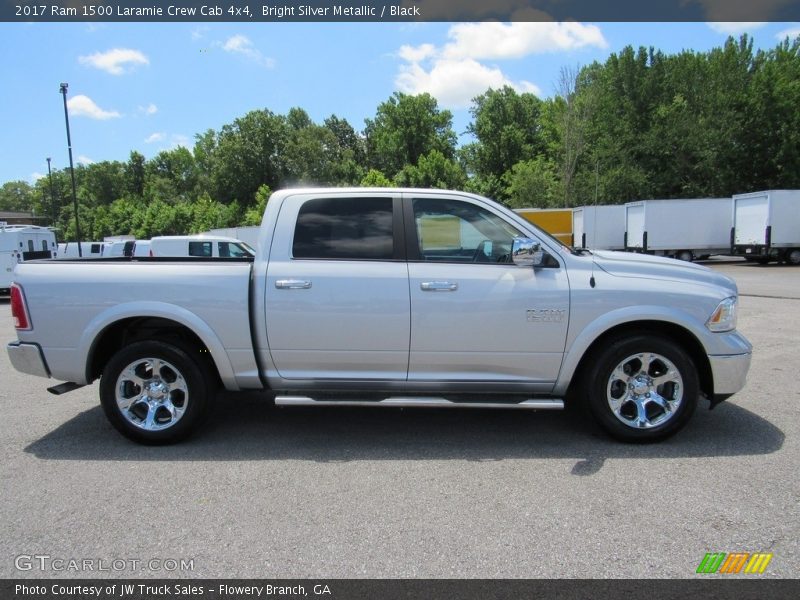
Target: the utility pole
(64, 87)
(53, 205)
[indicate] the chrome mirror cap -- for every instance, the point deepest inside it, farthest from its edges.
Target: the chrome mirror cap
(527, 252)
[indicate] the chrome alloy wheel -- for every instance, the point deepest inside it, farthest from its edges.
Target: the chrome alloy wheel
(645, 390)
(151, 394)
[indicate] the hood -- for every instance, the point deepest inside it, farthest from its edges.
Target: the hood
(645, 266)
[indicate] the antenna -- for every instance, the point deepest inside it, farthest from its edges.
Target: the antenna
(592, 282)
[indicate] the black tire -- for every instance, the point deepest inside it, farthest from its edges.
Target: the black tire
(762, 260)
(793, 256)
(619, 376)
(175, 400)
(685, 255)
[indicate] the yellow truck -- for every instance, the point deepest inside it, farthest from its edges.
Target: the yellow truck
(555, 221)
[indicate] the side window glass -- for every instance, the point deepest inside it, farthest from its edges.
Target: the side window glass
(95, 249)
(457, 231)
(44, 245)
(30, 245)
(224, 250)
(344, 229)
(202, 249)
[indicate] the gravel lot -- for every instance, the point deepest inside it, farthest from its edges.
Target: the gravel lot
(286, 493)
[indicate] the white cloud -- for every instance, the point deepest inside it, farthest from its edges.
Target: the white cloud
(198, 33)
(420, 53)
(83, 106)
(84, 160)
(36, 176)
(179, 139)
(155, 137)
(790, 33)
(455, 83)
(453, 74)
(116, 61)
(516, 40)
(241, 44)
(734, 28)
(148, 110)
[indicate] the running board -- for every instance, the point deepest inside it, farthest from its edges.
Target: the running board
(413, 402)
(63, 388)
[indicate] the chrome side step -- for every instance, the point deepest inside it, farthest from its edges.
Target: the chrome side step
(431, 402)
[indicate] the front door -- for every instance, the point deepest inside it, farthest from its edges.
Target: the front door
(475, 316)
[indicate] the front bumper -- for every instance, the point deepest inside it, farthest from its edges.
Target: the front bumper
(28, 358)
(729, 372)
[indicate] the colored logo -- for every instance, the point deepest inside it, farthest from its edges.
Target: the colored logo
(735, 562)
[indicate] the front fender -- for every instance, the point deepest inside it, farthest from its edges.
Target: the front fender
(626, 316)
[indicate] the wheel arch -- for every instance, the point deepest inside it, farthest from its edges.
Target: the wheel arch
(678, 334)
(109, 332)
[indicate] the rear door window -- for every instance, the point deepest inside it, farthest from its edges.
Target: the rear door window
(345, 229)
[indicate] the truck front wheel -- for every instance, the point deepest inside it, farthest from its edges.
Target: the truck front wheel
(642, 388)
(155, 392)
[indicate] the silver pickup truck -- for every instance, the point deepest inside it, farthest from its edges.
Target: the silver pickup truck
(386, 297)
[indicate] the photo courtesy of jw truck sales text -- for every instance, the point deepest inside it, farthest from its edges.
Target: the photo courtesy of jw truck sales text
(386, 297)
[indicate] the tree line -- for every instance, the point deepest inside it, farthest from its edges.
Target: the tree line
(643, 124)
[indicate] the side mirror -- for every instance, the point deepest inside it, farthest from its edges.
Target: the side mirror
(526, 252)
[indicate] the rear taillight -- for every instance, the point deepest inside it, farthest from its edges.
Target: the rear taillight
(19, 309)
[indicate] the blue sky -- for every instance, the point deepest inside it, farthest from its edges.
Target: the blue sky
(150, 87)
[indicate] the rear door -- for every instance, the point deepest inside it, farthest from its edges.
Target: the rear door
(634, 225)
(337, 300)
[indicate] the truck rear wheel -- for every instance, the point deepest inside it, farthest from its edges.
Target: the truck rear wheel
(155, 392)
(642, 388)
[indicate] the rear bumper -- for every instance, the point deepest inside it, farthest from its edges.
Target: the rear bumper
(27, 358)
(729, 372)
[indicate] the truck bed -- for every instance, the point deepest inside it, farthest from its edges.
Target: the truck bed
(73, 301)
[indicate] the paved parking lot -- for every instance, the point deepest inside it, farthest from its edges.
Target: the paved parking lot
(265, 492)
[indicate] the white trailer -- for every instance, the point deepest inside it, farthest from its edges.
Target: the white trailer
(19, 243)
(69, 250)
(120, 245)
(599, 227)
(766, 226)
(684, 228)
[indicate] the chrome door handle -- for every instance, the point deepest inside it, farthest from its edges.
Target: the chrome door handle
(438, 286)
(292, 284)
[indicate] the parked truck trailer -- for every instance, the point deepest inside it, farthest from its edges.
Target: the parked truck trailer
(555, 221)
(766, 226)
(683, 228)
(599, 227)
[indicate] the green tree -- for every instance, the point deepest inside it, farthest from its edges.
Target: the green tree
(254, 214)
(404, 129)
(16, 196)
(507, 128)
(533, 184)
(433, 170)
(375, 178)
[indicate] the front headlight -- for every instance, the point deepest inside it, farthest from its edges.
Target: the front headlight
(724, 316)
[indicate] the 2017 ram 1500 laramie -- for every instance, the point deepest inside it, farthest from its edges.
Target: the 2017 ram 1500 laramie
(386, 297)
